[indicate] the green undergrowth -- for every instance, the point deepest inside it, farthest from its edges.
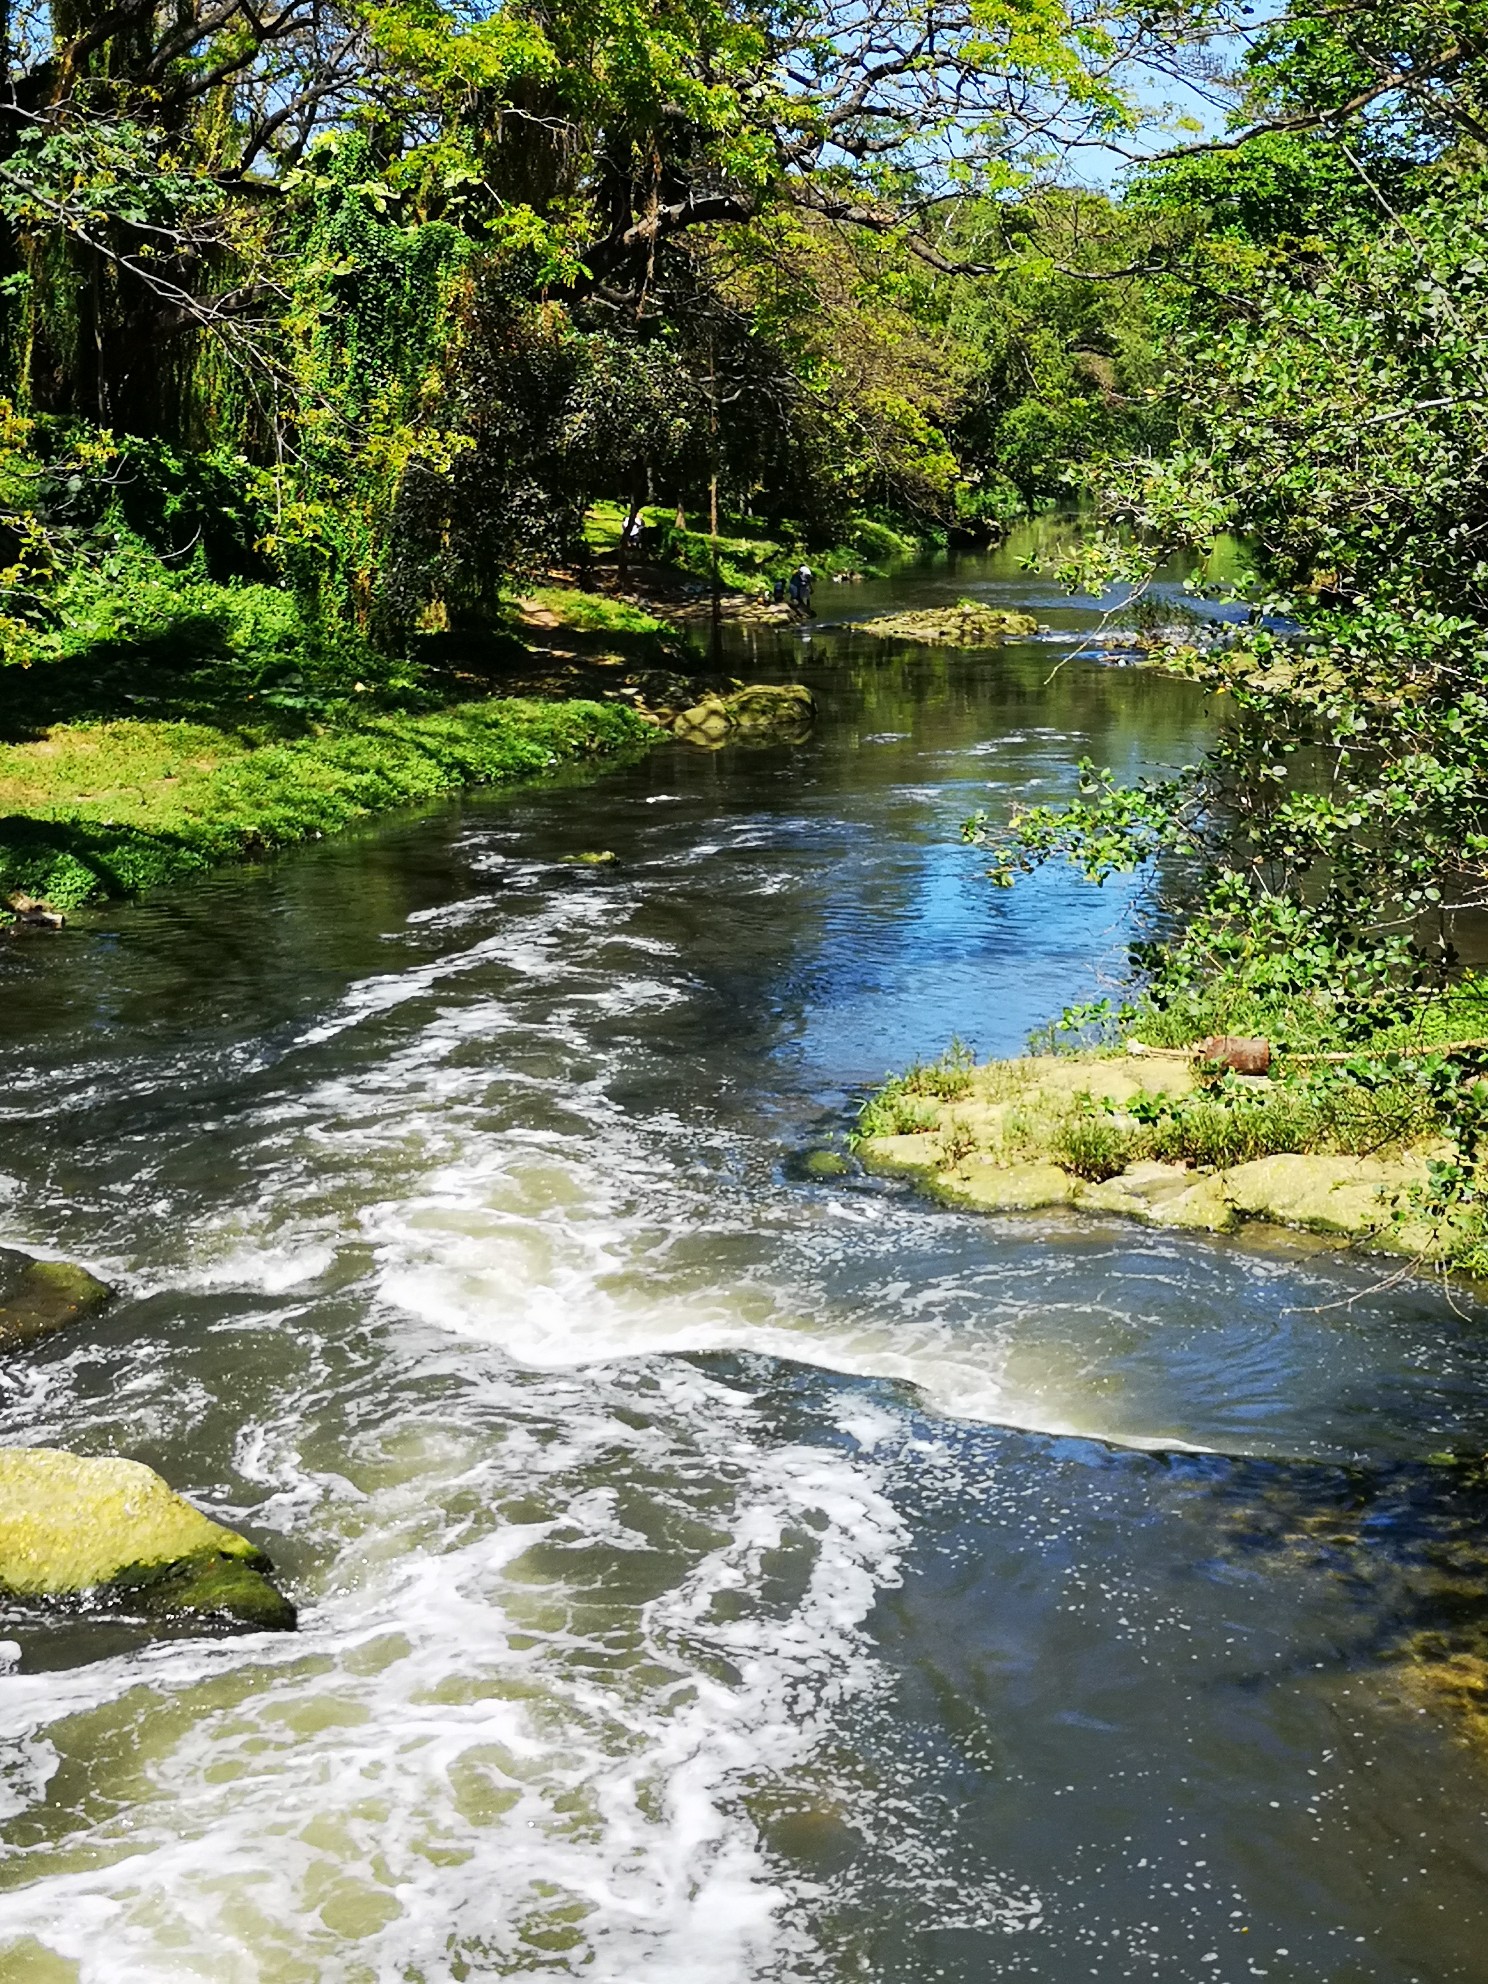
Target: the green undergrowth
(1230, 1122)
(109, 808)
(1225, 1121)
(147, 642)
(1374, 1020)
(911, 1102)
(592, 613)
(752, 553)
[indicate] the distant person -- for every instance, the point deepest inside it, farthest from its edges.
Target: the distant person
(804, 579)
(777, 591)
(632, 532)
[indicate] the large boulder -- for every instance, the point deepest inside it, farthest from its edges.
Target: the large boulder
(111, 1530)
(763, 712)
(38, 1298)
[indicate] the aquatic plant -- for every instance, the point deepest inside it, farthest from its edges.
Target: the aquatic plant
(1087, 1143)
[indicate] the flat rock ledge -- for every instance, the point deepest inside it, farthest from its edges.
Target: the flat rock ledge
(967, 624)
(112, 1532)
(978, 1150)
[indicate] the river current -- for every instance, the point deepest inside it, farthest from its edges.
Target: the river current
(710, 1573)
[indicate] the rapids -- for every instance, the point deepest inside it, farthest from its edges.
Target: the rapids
(708, 1573)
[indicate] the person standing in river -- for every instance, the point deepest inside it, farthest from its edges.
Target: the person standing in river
(802, 580)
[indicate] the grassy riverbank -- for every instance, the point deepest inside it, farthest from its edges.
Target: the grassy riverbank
(107, 808)
(161, 723)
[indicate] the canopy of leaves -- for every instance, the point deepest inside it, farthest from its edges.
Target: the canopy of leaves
(444, 272)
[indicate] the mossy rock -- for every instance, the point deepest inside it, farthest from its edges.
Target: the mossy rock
(967, 624)
(1006, 1187)
(1165, 1195)
(706, 724)
(1002, 1136)
(764, 712)
(772, 708)
(74, 1526)
(38, 1298)
(826, 1164)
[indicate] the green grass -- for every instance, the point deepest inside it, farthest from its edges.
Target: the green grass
(911, 1102)
(1232, 1122)
(1215, 1126)
(157, 721)
(1304, 1024)
(1090, 1145)
(593, 613)
(185, 647)
(106, 809)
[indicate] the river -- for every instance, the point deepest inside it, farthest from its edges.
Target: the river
(710, 1573)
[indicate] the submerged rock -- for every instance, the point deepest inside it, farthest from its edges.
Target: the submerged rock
(73, 1526)
(763, 712)
(967, 624)
(28, 913)
(38, 1298)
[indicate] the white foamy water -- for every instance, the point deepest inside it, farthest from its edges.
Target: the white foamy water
(470, 1753)
(674, 1603)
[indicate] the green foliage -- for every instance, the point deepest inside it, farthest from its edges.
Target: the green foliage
(1334, 419)
(1281, 200)
(749, 554)
(1061, 365)
(1230, 1124)
(433, 280)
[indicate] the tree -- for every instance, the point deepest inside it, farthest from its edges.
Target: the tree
(1328, 348)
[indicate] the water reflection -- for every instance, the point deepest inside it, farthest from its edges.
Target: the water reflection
(710, 1572)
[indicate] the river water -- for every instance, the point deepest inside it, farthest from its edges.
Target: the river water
(709, 1573)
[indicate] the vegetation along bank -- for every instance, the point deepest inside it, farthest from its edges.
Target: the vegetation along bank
(321, 353)
(1353, 1148)
(1319, 878)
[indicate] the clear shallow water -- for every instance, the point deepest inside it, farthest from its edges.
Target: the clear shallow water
(707, 1574)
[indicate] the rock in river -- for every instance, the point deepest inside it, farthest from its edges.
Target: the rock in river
(38, 1298)
(966, 624)
(764, 712)
(112, 1530)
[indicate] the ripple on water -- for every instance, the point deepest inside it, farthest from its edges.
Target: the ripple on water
(707, 1576)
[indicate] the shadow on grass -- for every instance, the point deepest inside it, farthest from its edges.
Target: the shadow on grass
(190, 674)
(186, 675)
(69, 862)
